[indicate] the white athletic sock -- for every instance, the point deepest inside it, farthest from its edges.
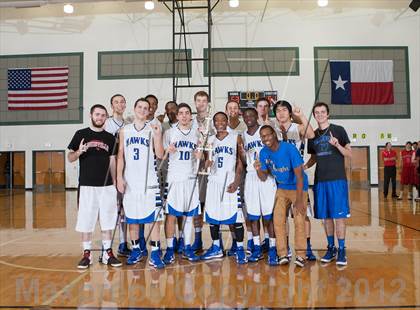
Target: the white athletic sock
(180, 234)
(155, 248)
(122, 228)
(249, 234)
(170, 242)
(106, 244)
(87, 245)
(266, 236)
(256, 240)
(135, 244)
(216, 242)
(239, 244)
(188, 230)
(197, 229)
(272, 242)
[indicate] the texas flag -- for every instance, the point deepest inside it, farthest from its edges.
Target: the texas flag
(362, 82)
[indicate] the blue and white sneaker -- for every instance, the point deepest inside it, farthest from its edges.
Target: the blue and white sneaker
(143, 247)
(241, 256)
(330, 255)
(198, 244)
(265, 245)
(341, 257)
(123, 250)
(169, 256)
(273, 259)
(309, 254)
(181, 246)
(155, 260)
(233, 249)
(213, 252)
(250, 246)
(135, 256)
(189, 254)
(256, 254)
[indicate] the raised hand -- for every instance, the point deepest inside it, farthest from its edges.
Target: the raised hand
(333, 140)
(157, 131)
(82, 147)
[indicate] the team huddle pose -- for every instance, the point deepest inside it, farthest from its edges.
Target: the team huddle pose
(216, 168)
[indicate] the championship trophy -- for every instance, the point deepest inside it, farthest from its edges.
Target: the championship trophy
(204, 145)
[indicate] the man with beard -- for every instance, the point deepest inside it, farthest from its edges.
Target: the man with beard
(95, 148)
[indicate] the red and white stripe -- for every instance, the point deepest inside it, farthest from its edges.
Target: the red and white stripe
(48, 91)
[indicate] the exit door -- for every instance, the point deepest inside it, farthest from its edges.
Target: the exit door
(49, 171)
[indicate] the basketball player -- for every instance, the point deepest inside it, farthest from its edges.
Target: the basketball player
(171, 108)
(294, 133)
(140, 145)
(202, 122)
(259, 195)
(284, 162)
(113, 124)
(95, 149)
(183, 198)
(235, 125)
(154, 102)
(222, 198)
(331, 200)
(263, 110)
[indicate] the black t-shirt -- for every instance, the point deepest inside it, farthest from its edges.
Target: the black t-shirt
(94, 163)
(329, 160)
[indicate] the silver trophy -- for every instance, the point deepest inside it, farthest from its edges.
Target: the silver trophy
(204, 145)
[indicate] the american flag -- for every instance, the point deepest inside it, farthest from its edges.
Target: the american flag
(37, 88)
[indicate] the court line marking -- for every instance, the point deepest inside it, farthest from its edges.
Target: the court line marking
(65, 288)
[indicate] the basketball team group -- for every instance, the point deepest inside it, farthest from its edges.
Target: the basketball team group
(239, 168)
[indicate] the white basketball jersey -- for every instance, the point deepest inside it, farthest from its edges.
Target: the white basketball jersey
(113, 126)
(182, 163)
(224, 157)
(240, 129)
(139, 157)
(293, 135)
(253, 146)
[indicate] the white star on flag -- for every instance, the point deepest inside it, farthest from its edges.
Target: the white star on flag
(339, 83)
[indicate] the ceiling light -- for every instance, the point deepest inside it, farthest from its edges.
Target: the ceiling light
(68, 8)
(322, 3)
(233, 3)
(149, 5)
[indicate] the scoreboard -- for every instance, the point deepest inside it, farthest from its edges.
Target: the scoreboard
(248, 99)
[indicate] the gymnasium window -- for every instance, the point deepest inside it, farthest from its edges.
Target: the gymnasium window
(256, 61)
(142, 64)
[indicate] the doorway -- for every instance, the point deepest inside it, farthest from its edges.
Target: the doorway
(49, 170)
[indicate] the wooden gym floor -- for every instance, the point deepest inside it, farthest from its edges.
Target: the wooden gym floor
(39, 250)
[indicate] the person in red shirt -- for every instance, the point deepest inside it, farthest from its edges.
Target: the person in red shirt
(407, 171)
(389, 156)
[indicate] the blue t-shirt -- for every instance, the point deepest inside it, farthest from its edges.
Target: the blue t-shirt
(281, 164)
